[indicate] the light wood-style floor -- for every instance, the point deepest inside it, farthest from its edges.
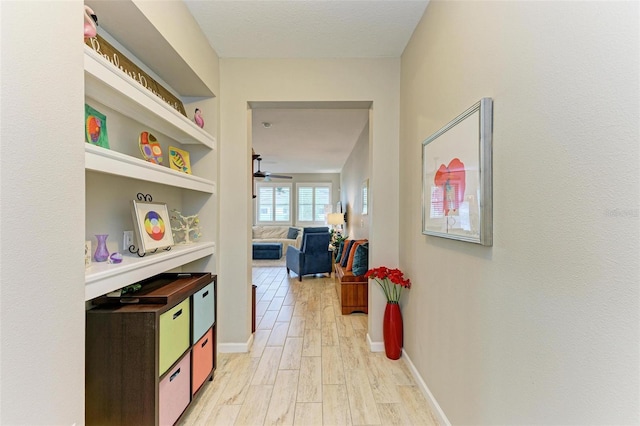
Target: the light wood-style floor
(309, 365)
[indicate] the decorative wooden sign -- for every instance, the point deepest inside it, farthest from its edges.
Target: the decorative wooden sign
(111, 54)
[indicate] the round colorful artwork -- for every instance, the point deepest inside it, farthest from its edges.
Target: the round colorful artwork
(94, 125)
(154, 225)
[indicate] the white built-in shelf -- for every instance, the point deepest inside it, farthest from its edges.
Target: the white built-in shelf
(112, 87)
(102, 277)
(104, 160)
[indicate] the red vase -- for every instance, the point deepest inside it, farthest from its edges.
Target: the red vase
(392, 330)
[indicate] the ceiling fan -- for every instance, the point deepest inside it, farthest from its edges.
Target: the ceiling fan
(268, 175)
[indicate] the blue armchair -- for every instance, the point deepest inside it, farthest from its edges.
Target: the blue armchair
(314, 256)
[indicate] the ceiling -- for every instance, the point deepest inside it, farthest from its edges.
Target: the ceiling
(307, 137)
(308, 28)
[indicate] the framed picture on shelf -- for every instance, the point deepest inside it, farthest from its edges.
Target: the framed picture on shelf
(457, 178)
(95, 127)
(179, 160)
(152, 224)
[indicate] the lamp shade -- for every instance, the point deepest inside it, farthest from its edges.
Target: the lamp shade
(335, 219)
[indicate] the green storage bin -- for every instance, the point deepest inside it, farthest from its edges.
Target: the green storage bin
(174, 334)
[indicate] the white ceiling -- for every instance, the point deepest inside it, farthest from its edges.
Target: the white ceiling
(308, 28)
(306, 140)
(309, 138)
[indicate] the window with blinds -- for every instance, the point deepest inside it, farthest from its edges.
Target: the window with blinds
(312, 202)
(273, 203)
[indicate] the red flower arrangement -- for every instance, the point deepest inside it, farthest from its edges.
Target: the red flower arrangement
(391, 281)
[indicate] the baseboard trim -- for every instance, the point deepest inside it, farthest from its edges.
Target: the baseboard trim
(375, 346)
(435, 407)
(232, 348)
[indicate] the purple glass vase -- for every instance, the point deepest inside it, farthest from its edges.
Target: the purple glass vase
(101, 254)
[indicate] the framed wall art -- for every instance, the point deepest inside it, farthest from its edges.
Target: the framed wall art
(457, 178)
(95, 127)
(153, 225)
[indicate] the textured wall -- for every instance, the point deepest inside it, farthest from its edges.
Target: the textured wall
(42, 214)
(542, 328)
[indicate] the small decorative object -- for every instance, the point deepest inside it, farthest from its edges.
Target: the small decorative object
(115, 258)
(95, 126)
(185, 228)
(90, 22)
(130, 289)
(457, 176)
(179, 160)
(197, 117)
(336, 238)
(150, 148)
(151, 221)
(392, 282)
(87, 254)
(101, 254)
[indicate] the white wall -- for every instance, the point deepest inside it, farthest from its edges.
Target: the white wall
(243, 81)
(42, 214)
(353, 174)
(543, 327)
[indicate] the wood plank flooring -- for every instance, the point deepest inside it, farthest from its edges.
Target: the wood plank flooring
(309, 365)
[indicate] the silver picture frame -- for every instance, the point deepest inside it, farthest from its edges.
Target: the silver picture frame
(457, 194)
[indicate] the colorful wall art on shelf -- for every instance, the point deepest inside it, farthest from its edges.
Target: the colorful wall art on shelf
(150, 148)
(152, 224)
(179, 160)
(186, 229)
(95, 127)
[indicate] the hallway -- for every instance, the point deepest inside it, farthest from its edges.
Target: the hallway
(309, 365)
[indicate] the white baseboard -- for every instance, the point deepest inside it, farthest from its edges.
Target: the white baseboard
(232, 348)
(375, 346)
(435, 407)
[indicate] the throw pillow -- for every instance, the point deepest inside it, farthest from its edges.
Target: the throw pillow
(292, 234)
(352, 253)
(345, 244)
(361, 260)
(339, 251)
(345, 255)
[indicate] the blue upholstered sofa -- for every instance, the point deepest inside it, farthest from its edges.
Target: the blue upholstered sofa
(314, 256)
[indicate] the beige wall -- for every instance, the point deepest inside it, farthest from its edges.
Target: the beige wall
(243, 81)
(42, 214)
(541, 328)
(354, 172)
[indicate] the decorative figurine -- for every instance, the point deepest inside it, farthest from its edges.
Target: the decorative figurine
(198, 118)
(90, 23)
(187, 227)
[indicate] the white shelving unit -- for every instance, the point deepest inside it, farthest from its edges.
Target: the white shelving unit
(117, 90)
(111, 162)
(129, 100)
(104, 277)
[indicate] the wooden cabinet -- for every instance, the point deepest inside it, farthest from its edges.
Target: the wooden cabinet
(141, 365)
